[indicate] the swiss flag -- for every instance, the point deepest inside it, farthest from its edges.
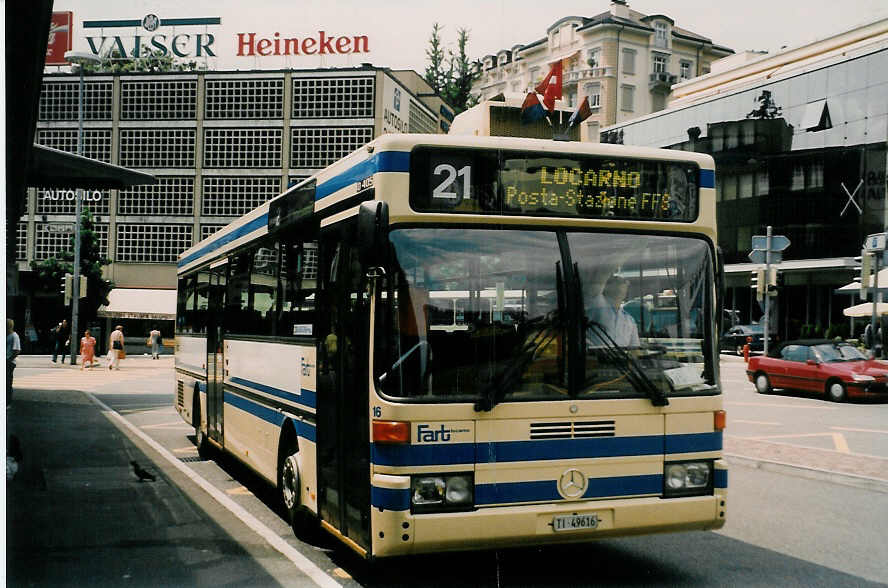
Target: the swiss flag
(550, 87)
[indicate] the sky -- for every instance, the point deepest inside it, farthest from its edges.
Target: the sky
(398, 30)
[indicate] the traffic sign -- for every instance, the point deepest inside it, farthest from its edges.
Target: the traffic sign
(778, 242)
(875, 242)
(759, 256)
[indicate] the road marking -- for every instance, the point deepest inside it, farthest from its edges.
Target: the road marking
(771, 405)
(305, 565)
(174, 425)
(838, 439)
(754, 422)
(880, 431)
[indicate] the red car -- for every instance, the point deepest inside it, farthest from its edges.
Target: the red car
(836, 369)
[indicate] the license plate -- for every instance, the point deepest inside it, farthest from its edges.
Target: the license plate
(575, 522)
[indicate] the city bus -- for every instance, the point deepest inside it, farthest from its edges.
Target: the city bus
(404, 345)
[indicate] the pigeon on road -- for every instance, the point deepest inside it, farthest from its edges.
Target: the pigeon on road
(142, 474)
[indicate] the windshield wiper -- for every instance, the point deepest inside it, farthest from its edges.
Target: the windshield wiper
(628, 364)
(549, 326)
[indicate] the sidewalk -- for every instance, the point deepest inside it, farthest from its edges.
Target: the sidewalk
(139, 361)
(77, 515)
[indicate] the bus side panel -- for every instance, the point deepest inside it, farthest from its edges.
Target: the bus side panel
(264, 383)
(191, 373)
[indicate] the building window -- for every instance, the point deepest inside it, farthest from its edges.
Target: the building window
(242, 147)
(629, 61)
(208, 230)
(685, 69)
(746, 185)
(157, 147)
(60, 101)
(318, 147)
(54, 238)
(593, 58)
(717, 135)
(763, 185)
(237, 195)
(21, 241)
(96, 142)
(158, 100)
(798, 177)
(259, 98)
(660, 34)
(659, 63)
(729, 187)
(747, 132)
(142, 243)
(170, 196)
(593, 91)
(419, 121)
(333, 97)
(627, 98)
(815, 175)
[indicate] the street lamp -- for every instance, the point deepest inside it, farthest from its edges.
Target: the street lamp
(78, 59)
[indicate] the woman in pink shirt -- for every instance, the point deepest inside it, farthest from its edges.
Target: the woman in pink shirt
(87, 349)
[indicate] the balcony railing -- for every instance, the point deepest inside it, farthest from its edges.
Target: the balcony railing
(661, 81)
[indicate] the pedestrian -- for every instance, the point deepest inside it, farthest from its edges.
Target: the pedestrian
(62, 339)
(155, 339)
(13, 348)
(116, 348)
(87, 350)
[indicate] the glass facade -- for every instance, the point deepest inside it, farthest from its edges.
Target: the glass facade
(803, 152)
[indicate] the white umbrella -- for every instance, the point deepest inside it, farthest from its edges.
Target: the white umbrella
(854, 287)
(865, 309)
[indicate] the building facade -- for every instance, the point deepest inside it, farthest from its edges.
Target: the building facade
(799, 141)
(220, 144)
(623, 60)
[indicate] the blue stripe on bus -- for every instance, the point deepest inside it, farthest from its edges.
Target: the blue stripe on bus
(386, 161)
(306, 397)
(547, 490)
(707, 178)
(390, 498)
(512, 451)
(270, 415)
(255, 224)
(721, 479)
(691, 442)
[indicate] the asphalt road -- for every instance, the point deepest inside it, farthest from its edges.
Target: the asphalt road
(784, 529)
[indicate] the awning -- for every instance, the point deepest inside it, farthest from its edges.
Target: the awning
(865, 309)
(854, 287)
(51, 168)
(140, 303)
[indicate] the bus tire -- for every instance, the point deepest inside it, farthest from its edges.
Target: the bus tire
(200, 437)
(289, 481)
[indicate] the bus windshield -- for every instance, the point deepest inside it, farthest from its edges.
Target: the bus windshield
(519, 315)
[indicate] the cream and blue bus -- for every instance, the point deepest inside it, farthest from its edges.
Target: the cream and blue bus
(406, 344)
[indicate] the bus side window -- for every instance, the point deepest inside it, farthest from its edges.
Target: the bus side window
(263, 291)
(296, 286)
(201, 302)
(237, 304)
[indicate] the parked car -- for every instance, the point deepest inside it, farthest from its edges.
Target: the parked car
(835, 369)
(735, 338)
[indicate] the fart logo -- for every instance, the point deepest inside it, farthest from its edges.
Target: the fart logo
(426, 434)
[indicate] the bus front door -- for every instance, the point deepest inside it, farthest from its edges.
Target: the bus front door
(215, 355)
(343, 421)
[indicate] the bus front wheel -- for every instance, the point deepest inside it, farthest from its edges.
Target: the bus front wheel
(302, 521)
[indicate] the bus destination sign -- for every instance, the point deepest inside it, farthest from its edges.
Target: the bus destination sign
(552, 184)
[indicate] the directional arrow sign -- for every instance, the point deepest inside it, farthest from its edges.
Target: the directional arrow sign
(758, 256)
(778, 242)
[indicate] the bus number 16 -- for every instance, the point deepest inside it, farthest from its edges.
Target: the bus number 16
(450, 174)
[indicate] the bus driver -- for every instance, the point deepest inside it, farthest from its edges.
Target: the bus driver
(606, 309)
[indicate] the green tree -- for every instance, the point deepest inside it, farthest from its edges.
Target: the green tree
(451, 76)
(458, 90)
(434, 72)
(50, 272)
(155, 61)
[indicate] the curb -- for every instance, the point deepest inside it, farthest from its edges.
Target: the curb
(812, 473)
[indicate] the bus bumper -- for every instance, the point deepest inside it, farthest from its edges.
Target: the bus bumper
(531, 525)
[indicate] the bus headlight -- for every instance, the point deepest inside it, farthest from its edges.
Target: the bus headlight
(440, 493)
(687, 478)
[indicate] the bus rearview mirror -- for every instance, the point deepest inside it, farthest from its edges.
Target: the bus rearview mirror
(373, 219)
